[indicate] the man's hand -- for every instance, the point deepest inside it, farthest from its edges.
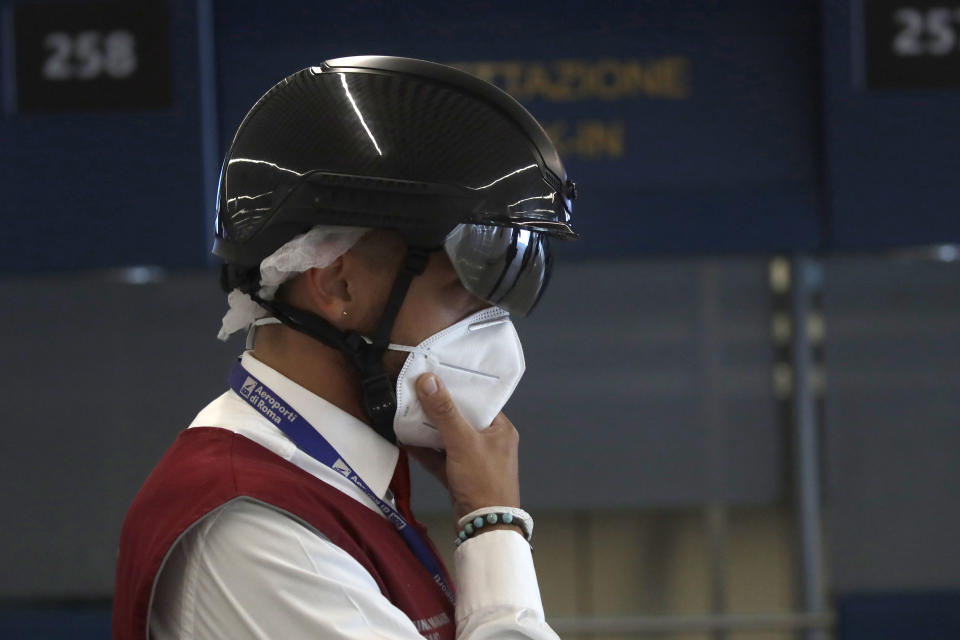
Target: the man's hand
(480, 468)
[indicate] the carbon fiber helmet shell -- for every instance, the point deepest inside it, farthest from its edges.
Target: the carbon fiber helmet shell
(386, 142)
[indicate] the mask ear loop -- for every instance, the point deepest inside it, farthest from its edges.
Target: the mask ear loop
(473, 326)
(252, 331)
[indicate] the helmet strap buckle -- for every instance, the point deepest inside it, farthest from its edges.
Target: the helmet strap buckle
(380, 403)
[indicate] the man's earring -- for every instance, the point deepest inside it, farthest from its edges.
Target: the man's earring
(344, 313)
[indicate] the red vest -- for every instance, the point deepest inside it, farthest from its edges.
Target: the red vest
(207, 467)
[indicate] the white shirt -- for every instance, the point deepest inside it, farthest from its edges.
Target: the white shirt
(248, 570)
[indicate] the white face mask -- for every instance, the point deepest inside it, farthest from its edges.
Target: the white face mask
(480, 361)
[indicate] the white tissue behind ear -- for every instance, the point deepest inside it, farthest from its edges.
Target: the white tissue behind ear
(317, 248)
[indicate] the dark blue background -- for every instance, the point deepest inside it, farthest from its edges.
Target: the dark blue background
(777, 148)
(892, 156)
(107, 188)
(933, 615)
(731, 168)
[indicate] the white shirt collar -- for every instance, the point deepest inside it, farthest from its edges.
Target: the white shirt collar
(373, 458)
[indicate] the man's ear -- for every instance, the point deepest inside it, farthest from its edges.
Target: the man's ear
(328, 290)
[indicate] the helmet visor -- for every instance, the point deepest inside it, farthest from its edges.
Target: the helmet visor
(506, 266)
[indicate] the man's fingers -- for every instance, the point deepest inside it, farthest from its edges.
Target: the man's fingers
(500, 423)
(440, 408)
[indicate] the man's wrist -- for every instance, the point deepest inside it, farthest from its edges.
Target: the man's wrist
(500, 527)
(486, 518)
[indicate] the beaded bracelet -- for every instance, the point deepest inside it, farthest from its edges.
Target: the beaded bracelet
(475, 520)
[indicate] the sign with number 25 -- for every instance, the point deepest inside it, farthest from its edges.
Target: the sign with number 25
(911, 44)
(86, 56)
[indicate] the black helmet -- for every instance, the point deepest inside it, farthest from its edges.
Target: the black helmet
(378, 141)
(438, 155)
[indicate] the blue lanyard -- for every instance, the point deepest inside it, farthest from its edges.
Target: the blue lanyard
(301, 432)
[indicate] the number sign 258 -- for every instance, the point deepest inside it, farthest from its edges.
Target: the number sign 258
(92, 56)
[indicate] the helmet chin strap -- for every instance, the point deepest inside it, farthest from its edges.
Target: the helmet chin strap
(378, 394)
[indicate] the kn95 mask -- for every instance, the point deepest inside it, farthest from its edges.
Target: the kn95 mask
(480, 361)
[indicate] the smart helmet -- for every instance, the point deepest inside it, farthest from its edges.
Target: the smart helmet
(445, 159)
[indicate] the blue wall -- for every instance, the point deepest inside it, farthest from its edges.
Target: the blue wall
(85, 190)
(892, 155)
(899, 616)
(690, 126)
(720, 154)
(83, 622)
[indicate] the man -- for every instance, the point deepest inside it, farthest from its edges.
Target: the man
(378, 218)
